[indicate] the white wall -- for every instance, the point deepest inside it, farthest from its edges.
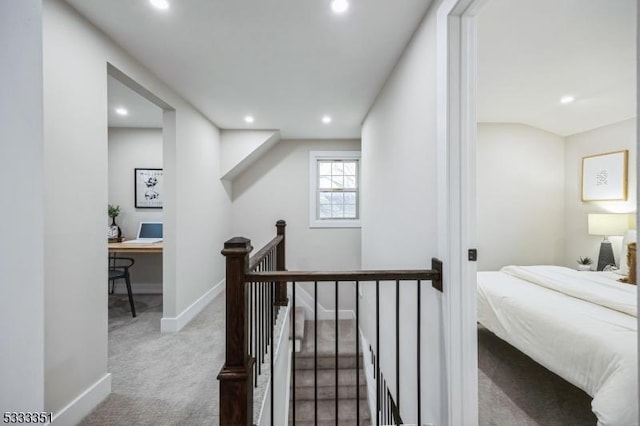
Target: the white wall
(520, 196)
(21, 207)
(399, 218)
(277, 187)
(130, 148)
(196, 213)
(240, 148)
(615, 137)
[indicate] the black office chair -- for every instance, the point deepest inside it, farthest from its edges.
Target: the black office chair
(119, 269)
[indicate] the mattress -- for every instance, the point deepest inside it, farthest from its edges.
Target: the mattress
(580, 325)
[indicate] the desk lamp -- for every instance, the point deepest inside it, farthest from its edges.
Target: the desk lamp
(606, 225)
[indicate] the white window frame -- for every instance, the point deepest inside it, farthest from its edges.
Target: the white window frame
(314, 157)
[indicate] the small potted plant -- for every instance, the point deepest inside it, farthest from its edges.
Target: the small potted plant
(114, 233)
(584, 263)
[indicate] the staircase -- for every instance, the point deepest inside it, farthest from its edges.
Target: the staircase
(326, 375)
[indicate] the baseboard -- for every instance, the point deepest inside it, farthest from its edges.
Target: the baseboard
(369, 374)
(139, 288)
(173, 325)
(84, 404)
(305, 300)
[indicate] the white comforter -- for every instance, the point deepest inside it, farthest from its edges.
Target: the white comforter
(580, 325)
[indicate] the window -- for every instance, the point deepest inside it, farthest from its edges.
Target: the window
(334, 189)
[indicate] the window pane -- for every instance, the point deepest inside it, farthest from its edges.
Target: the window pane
(324, 183)
(349, 181)
(324, 168)
(349, 168)
(350, 211)
(325, 198)
(336, 168)
(337, 182)
(337, 210)
(337, 198)
(325, 212)
(350, 198)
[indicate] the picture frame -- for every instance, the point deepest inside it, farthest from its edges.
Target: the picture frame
(148, 188)
(604, 176)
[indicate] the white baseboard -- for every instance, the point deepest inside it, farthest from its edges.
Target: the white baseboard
(305, 300)
(139, 288)
(84, 404)
(173, 325)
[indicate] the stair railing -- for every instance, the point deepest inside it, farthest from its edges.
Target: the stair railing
(254, 286)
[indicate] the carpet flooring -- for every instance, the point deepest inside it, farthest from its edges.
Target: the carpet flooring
(170, 379)
(514, 390)
(161, 379)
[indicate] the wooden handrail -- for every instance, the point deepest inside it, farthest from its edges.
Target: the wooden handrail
(255, 260)
(333, 276)
(434, 275)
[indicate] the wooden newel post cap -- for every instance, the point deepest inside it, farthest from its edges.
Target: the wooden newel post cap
(237, 246)
(281, 224)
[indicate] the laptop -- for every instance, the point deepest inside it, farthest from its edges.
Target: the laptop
(148, 233)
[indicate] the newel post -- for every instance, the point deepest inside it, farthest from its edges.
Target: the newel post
(281, 288)
(236, 387)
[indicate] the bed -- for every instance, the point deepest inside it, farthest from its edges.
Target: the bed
(580, 325)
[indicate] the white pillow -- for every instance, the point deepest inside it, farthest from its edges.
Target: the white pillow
(629, 237)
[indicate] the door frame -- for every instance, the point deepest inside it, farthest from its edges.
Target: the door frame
(456, 78)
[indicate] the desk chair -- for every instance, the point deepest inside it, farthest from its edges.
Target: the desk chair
(119, 269)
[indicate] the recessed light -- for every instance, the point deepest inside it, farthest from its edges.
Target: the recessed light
(160, 4)
(339, 6)
(326, 119)
(249, 119)
(567, 99)
(121, 111)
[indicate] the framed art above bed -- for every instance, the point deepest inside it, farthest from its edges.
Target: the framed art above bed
(604, 176)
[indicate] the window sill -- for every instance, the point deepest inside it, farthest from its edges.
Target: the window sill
(335, 224)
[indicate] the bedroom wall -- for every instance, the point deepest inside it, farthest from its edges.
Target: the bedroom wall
(196, 214)
(399, 218)
(520, 196)
(276, 187)
(22, 206)
(130, 148)
(615, 137)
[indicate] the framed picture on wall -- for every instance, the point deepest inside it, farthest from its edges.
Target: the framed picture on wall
(148, 186)
(604, 177)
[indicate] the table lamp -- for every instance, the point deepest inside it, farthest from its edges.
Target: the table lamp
(606, 225)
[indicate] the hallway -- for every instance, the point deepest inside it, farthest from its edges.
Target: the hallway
(161, 379)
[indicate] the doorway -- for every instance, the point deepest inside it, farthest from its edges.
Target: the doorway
(136, 136)
(457, 44)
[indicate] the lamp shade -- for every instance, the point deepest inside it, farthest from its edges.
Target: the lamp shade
(608, 223)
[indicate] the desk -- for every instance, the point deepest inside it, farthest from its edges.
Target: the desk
(135, 248)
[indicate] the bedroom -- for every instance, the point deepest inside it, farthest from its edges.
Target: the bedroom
(531, 144)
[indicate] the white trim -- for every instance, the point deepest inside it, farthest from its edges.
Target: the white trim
(456, 50)
(305, 300)
(369, 374)
(314, 156)
(84, 404)
(173, 325)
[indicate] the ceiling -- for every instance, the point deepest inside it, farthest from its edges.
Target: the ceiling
(533, 52)
(289, 62)
(285, 62)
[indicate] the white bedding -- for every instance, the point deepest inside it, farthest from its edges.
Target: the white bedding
(556, 316)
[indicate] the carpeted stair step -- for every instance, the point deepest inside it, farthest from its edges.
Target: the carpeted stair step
(305, 412)
(305, 361)
(306, 378)
(351, 422)
(306, 393)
